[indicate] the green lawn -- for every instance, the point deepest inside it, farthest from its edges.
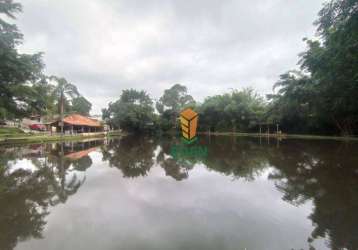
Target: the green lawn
(8, 131)
(38, 138)
(15, 135)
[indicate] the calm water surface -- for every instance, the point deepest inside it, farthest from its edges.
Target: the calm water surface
(150, 193)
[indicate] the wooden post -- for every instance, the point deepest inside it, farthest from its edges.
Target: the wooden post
(276, 128)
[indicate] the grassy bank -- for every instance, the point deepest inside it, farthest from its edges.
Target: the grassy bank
(15, 135)
(39, 138)
(116, 133)
(284, 136)
(6, 132)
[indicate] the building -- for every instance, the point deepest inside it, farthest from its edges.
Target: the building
(27, 122)
(76, 123)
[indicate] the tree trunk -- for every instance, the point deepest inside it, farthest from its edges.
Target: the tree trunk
(342, 127)
(61, 112)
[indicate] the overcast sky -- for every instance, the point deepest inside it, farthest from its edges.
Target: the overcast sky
(211, 46)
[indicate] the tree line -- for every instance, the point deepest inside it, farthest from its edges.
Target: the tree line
(24, 87)
(135, 111)
(319, 98)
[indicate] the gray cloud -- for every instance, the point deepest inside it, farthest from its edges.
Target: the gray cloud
(209, 46)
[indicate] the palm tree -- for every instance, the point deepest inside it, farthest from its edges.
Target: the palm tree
(63, 90)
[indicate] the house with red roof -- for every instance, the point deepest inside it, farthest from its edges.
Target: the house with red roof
(76, 123)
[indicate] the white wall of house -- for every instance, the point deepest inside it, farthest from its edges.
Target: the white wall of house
(26, 122)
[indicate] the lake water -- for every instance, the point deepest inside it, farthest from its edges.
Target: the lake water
(151, 193)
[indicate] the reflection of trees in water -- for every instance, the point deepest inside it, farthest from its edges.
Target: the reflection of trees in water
(238, 158)
(244, 159)
(133, 155)
(26, 195)
(24, 205)
(176, 168)
(326, 173)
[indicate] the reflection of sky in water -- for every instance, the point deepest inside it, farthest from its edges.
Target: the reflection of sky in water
(21, 164)
(206, 211)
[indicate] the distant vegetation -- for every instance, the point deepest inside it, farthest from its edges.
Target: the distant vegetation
(238, 111)
(24, 88)
(320, 98)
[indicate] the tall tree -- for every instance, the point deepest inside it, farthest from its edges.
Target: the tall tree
(172, 102)
(330, 78)
(242, 109)
(16, 70)
(132, 112)
(81, 105)
(42, 98)
(62, 91)
(333, 63)
(295, 104)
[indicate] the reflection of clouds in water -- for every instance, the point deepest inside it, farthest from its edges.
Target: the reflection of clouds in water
(74, 175)
(156, 152)
(242, 194)
(96, 157)
(264, 174)
(24, 164)
(208, 210)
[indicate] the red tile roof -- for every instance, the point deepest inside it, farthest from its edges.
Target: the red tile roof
(80, 154)
(76, 119)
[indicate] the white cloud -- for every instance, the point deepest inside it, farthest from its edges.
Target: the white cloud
(210, 46)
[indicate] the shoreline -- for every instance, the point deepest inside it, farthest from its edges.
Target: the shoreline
(282, 136)
(41, 138)
(25, 138)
